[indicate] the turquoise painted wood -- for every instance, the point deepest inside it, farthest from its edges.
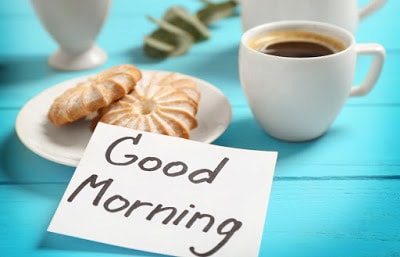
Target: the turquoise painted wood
(335, 196)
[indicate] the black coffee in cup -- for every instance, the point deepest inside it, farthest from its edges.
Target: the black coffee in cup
(296, 44)
(297, 49)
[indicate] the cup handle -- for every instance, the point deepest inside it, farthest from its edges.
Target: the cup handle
(370, 8)
(378, 54)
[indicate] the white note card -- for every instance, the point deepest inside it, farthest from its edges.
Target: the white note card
(167, 195)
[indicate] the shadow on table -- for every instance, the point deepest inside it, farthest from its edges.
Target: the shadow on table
(247, 134)
(19, 165)
(138, 57)
(51, 241)
(21, 69)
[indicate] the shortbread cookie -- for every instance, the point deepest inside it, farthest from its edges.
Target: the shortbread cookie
(176, 80)
(158, 104)
(98, 91)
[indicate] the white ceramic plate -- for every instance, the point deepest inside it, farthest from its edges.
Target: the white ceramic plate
(66, 144)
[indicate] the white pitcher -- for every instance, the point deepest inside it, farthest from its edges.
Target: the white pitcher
(74, 25)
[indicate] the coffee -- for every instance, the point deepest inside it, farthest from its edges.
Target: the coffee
(297, 49)
(296, 44)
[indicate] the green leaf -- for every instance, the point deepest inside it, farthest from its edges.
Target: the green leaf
(181, 18)
(167, 40)
(156, 48)
(215, 11)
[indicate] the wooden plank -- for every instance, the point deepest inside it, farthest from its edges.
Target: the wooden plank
(363, 141)
(351, 217)
(339, 217)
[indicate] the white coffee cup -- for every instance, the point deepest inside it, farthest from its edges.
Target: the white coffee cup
(298, 98)
(344, 13)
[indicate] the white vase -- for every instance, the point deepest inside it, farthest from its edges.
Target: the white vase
(74, 25)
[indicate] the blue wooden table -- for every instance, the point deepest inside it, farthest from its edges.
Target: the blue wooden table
(335, 196)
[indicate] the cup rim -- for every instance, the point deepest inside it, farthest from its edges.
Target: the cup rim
(313, 26)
